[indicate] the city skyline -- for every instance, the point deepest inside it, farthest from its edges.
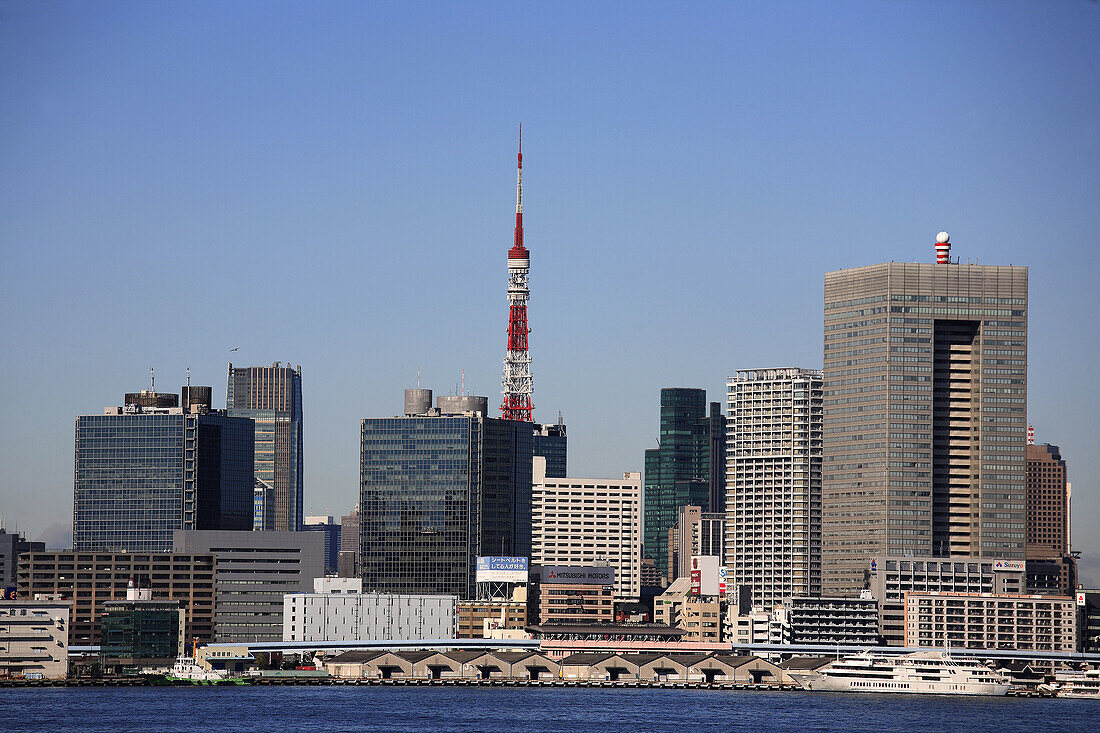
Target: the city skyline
(681, 232)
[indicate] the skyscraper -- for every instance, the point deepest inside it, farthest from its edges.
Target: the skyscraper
(439, 487)
(677, 473)
(1050, 565)
(272, 398)
(773, 502)
(552, 444)
(924, 414)
(143, 471)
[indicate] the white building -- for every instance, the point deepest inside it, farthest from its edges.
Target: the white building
(773, 487)
(338, 610)
(589, 521)
(34, 639)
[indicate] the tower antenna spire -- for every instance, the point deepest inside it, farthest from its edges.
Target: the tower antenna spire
(516, 382)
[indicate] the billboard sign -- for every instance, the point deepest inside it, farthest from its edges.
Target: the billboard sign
(704, 575)
(578, 574)
(1011, 565)
(1080, 598)
(502, 570)
(723, 576)
(8, 593)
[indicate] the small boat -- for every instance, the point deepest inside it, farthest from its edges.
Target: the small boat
(921, 673)
(186, 670)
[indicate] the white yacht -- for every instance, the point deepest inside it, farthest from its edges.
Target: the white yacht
(1084, 684)
(923, 673)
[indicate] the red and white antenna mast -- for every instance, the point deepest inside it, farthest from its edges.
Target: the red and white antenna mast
(516, 382)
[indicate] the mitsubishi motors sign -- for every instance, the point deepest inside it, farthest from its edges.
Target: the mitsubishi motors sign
(578, 574)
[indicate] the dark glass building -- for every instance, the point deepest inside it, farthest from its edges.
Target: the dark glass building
(272, 398)
(332, 531)
(142, 472)
(678, 472)
(439, 488)
(134, 631)
(551, 443)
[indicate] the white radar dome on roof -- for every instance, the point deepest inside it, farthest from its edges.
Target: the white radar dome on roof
(943, 238)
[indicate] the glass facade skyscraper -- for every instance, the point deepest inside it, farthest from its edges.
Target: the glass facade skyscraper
(272, 398)
(436, 491)
(552, 444)
(139, 476)
(678, 472)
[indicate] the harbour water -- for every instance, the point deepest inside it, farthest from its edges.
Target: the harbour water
(195, 709)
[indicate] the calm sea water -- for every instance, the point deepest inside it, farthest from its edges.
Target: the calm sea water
(527, 710)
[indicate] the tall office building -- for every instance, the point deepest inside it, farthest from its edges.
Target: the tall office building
(332, 531)
(589, 521)
(272, 398)
(551, 443)
(11, 547)
(677, 473)
(773, 500)
(716, 431)
(696, 533)
(439, 487)
(1051, 566)
(1047, 502)
(924, 414)
(143, 471)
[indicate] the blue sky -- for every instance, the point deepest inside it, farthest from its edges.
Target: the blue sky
(333, 185)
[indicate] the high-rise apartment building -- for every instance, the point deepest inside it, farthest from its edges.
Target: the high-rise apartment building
(142, 471)
(773, 495)
(589, 521)
(924, 414)
(272, 398)
(440, 487)
(677, 473)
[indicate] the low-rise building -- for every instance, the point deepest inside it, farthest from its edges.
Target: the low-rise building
(807, 620)
(476, 619)
(34, 639)
(991, 621)
(700, 616)
(88, 580)
(889, 578)
(572, 594)
(1088, 620)
(142, 632)
(338, 610)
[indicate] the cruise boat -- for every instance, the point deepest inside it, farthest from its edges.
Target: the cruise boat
(1084, 684)
(922, 673)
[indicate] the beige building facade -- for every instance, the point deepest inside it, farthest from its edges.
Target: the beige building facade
(925, 410)
(991, 621)
(34, 639)
(584, 521)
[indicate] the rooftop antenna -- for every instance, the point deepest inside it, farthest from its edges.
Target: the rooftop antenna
(188, 378)
(462, 391)
(152, 381)
(418, 376)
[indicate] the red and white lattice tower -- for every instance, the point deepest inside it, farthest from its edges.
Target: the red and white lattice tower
(516, 382)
